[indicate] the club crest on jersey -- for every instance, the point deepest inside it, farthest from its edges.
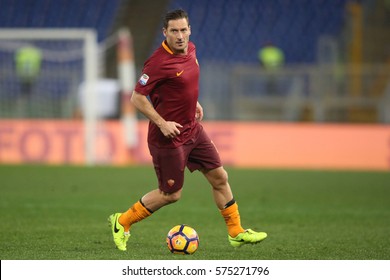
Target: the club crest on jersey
(144, 79)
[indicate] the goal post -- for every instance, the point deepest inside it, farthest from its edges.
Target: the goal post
(73, 49)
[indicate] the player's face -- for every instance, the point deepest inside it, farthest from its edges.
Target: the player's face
(177, 35)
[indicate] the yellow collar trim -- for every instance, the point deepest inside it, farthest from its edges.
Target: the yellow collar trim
(165, 46)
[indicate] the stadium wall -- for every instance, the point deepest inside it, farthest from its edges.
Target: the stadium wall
(241, 144)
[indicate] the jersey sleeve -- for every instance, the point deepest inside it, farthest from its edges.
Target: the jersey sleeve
(151, 75)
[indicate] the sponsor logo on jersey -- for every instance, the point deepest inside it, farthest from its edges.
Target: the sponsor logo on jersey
(144, 79)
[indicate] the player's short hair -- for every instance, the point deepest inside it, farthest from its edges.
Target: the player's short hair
(173, 15)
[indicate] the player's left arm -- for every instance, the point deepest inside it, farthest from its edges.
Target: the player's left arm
(198, 112)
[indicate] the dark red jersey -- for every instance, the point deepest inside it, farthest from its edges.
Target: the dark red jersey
(172, 83)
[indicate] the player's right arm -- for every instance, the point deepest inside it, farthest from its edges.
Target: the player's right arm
(170, 129)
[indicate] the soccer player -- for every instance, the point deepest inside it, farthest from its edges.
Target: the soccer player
(176, 138)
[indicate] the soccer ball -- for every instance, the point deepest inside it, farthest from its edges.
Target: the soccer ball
(182, 239)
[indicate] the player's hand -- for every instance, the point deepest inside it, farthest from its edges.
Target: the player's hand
(198, 112)
(170, 129)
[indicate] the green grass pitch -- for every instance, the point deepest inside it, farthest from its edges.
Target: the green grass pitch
(61, 213)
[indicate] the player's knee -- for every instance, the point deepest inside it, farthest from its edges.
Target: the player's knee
(220, 178)
(172, 197)
(223, 177)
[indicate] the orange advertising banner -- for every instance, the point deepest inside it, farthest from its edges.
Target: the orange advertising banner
(318, 146)
(59, 142)
(241, 144)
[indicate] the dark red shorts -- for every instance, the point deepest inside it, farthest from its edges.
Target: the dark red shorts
(169, 163)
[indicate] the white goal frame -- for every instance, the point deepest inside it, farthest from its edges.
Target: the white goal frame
(90, 61)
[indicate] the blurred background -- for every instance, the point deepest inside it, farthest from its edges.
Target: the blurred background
(335, 64)
(261, 60)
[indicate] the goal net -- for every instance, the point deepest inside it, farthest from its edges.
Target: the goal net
(41, 71)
